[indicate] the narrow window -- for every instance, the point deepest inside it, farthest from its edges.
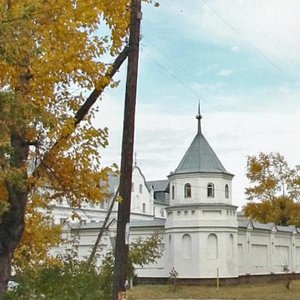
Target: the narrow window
(170, 246)
(187, 191)
(210, 190)
(212, 246)
(144, 207)
(231, 246)
(141, 189)
(173, 192)
(186, 246)
(226, 191)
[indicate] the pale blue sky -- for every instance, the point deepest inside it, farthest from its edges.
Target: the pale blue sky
(241, 58)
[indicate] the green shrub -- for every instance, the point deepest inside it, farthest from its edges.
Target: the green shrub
(76, 279)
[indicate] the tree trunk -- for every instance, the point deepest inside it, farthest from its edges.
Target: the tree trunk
(11, 232)
(12, 222)
(5, 267)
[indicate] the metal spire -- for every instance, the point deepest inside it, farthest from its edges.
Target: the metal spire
(199, 117)
(135, 158)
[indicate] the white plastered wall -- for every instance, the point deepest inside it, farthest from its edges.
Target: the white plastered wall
(199, 183)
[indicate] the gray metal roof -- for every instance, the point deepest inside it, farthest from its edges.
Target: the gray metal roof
(134, 223)
(243, 223)
(90, 225)
(289, 229)
(200, 157)
(148, 223)
(158, 185)
(263, 226)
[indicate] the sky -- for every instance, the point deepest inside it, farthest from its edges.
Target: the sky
(239, 58)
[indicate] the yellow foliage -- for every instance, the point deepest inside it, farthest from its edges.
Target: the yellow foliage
(277, 186)
(39, 236)
(48, 49)
(280, 211)
(269, 176)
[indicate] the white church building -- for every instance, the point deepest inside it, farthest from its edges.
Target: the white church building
(193, 211)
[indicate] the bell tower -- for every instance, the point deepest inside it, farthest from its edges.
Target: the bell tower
(201, 225)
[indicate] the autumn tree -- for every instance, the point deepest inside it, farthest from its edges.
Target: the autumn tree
(51, 53)
(274, 192)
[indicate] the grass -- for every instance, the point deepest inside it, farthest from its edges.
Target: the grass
(274, 291)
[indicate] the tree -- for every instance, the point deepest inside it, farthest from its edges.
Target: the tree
(40, 234)
(91, 282)
(276, 186)
(144, 251)
(50, 52)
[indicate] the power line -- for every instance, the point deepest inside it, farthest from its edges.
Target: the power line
(171, 74)
(185, 71)
(253, 46)
(201, 97)
(266, 36)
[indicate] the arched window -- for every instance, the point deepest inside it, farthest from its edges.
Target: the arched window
(226, 191)
(187, 191)
(212, 246)
(231, 246)
(186, 246)
(210, 190)
(170, 246)
(173, 192)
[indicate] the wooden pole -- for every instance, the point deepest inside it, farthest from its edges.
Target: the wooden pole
(121, 251)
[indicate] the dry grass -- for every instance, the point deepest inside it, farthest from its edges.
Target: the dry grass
(274, 291)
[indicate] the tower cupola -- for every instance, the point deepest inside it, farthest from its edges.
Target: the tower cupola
(200, 176)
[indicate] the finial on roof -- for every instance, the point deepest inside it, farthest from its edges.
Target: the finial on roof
(199, 117)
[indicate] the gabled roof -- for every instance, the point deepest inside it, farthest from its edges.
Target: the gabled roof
(143, 176)
(161, 191)
(244, 223)
(114, 180)
(158, 185)
(200, 157)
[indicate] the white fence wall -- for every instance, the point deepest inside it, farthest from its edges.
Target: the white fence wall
(268, 250)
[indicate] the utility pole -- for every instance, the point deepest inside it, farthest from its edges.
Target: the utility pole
(121, 250)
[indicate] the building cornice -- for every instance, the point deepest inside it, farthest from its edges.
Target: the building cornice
(201, 206)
